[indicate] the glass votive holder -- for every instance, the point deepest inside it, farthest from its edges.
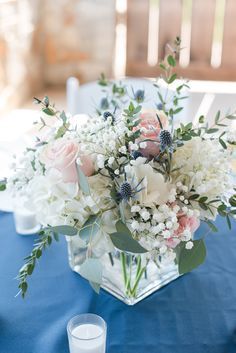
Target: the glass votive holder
(25, 219)
(87, 334)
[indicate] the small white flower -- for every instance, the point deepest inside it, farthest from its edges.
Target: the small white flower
(186, 202)
(133, 146)
(100, 161)
(135, 225)
(161, 226)
(189, 245)
(145, 215)
(181, 198)
(169, 224)
(166, 233)
(135, 208)
(78, 161)
(163, 249)
(111, 160)
(158, 217)
(122, 149)
(117, 172)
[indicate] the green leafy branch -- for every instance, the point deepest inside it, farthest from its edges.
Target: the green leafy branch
(167, 66)
(50, 110)
(222, 209)
(3, 184)
(46, 236)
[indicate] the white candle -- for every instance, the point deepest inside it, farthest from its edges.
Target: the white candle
(87, 338)
(72, 95)
(87, 334)
(25, 222)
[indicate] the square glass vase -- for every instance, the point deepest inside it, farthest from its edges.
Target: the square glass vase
(128, 277)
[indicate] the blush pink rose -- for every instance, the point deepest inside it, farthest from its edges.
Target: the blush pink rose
(191, 223)
(150, 130)
(61, 154)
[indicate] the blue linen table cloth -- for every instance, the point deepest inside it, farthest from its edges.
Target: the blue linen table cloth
(194, 314)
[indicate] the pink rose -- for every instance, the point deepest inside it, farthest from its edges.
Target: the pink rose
(185, 222)
(150, 127)
(61, 154)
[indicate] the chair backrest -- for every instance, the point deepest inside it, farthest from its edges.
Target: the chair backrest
(207, 28)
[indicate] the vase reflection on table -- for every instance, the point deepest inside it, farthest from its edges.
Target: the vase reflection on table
(129, 277)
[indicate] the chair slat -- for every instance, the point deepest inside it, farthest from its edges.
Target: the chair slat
(203, 15)
(229, 37)
(169, 23)
(137, 34)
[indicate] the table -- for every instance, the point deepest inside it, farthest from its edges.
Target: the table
(194, 314)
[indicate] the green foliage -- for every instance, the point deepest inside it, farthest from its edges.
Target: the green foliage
(188, 259)
(212, 226)
(83, 181)
(123, 240)
(46, 236)
(171, 60)
(132, 110)
(3, 185)
(63, 230)
(232, 201)
(118, 90)
(90, 228)
(103, 81)
(44, 241)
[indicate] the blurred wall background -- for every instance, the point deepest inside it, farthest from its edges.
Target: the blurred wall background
(43, 42)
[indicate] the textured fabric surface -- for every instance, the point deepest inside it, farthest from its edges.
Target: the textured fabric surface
(194, 314)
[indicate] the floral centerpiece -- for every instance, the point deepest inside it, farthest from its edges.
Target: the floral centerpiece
(127, 187)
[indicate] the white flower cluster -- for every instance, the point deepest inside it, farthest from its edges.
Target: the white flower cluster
(202, 166)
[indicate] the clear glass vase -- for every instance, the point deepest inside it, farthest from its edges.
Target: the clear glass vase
(129, 277)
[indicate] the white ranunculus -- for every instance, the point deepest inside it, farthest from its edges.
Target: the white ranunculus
(47, 197)
(154, 188)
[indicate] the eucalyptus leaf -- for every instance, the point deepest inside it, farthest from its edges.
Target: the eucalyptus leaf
(231, 117)
(64, 230)
(90, 227)
(212, 131)
(172, 78)
(83, 182)
(171, 60)
(223, 144)
(191, 258)
(212, 226)
(123, 240)
(91, 270)
(48, 111)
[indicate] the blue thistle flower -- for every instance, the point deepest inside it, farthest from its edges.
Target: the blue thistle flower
(139, 95)
(165, 139)
(125, 191)
(136, 154)
(159, 106)
(104, 104)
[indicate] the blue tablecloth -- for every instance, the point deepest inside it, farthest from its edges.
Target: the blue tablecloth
(194, 314)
